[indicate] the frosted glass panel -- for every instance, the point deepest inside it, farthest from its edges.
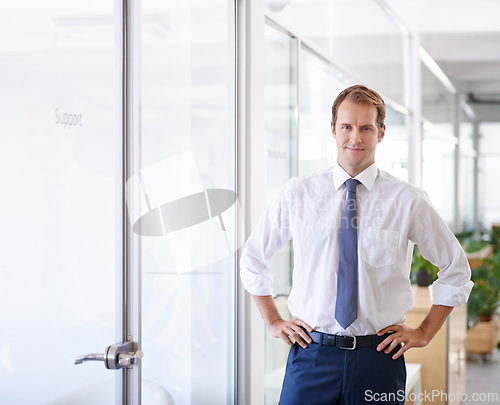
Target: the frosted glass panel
(184, 205)
(59, 174)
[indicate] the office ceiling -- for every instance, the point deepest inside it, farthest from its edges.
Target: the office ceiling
(463, 37)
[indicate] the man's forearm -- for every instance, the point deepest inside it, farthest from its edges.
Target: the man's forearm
(267, 308)
(434, 320)
(287, 330)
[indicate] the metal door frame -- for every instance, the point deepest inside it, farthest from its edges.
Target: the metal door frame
(129, 284)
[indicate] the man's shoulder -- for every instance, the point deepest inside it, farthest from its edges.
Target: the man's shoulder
(386, 179)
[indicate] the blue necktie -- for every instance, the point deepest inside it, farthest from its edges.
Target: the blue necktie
(346, 307)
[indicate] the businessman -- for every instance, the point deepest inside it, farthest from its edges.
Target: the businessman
(353, 228)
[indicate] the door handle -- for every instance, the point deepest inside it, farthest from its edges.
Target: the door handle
(115, 357)
(90, 357)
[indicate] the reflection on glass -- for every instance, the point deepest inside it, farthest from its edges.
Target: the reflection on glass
(182, 200)
(60, 178)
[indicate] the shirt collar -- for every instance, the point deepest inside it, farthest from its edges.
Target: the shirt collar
(366, 177)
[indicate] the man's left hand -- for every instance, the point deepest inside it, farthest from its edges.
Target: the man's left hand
(403, 334)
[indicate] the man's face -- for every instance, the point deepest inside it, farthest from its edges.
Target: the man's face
(357, 135)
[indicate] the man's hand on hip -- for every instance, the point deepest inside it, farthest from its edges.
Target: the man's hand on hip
(291, 331)
(403, 334)
(279, 328)
(418, 337)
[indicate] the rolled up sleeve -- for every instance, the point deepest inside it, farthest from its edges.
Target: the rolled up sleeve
(438, 244)
(270, 234)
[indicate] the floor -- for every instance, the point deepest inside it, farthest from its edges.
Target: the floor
(483, 380)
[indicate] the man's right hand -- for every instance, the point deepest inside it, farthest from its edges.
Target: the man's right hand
(289, 331)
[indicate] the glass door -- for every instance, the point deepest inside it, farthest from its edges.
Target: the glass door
(61, 176)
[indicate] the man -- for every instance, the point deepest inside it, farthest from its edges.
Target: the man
(351, 291)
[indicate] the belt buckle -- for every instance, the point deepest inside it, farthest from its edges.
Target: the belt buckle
(353, 343)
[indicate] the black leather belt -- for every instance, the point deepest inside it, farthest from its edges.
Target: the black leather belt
(347, 342)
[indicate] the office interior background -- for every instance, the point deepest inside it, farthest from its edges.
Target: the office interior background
(141, 140)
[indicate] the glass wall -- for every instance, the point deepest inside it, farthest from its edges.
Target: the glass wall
(438, 168)
(280, 92)
(184, 208)
(392, 152)
(439, 143)
(489, 150)
(466, 179)
(312, 18)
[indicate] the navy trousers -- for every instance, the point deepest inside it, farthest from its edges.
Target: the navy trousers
(325, 375)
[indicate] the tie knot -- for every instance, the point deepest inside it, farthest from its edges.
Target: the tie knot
(351, 185)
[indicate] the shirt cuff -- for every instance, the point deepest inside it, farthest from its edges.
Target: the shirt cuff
(450, 295)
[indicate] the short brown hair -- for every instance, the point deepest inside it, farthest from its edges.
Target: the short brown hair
(360, 94)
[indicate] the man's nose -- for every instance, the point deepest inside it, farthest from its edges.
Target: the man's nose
(355, 137)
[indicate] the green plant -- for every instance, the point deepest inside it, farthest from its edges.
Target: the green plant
(475, 245)
(420, 264)
(484, 299)
(495, 238)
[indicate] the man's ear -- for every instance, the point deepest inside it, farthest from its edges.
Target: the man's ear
(333, 128)
(381, 133)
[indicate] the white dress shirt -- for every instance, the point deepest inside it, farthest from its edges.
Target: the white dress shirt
(393, 216)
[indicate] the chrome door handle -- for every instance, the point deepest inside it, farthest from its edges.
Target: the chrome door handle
(117, 356)
(89, 357)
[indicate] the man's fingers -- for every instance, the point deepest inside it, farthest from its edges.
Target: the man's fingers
(298, 327)
(297, 334)
(392, 345)
(387, 341)
(304, 335)
(403, 349)
(301, 340)
(291, 331)
(305, 325)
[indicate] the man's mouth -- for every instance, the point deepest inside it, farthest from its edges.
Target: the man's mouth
(353, 149)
